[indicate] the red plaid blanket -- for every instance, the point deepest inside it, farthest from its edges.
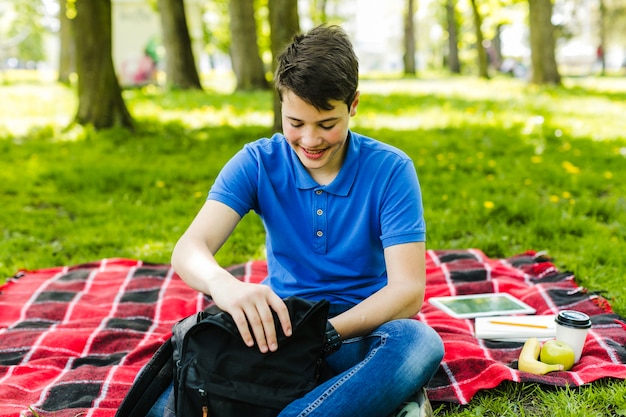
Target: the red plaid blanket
(470, 364)
(72, 339)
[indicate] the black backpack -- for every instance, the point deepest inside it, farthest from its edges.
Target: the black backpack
(216, 375)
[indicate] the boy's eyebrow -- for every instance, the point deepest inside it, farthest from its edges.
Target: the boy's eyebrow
(330, 119)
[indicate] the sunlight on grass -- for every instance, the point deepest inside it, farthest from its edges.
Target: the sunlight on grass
(24, 106)
(205, 116)
(580, 116)
(466, 101)
(153, 250)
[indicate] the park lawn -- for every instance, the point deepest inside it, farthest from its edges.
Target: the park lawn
(504, 167)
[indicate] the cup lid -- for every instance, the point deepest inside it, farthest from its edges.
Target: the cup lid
(575, 319)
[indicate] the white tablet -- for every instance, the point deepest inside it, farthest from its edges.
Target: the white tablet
(481, 305)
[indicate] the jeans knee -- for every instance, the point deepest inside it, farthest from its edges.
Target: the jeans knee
(419, 340)
(416, 349)
(432, 338)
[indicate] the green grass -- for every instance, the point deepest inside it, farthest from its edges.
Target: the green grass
(504, 167)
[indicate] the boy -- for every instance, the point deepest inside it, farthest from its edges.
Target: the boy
(344, 221)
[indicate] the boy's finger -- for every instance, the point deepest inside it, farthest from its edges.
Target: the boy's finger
(278, 305)
(241, 322)
(269, 327)
(258, 328)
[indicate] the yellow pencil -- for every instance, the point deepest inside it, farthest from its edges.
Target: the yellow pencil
(535, 326)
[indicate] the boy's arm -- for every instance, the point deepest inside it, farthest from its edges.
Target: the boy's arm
(402, 297)
(250, 305)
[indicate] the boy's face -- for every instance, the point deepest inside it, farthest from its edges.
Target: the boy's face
(318, 137)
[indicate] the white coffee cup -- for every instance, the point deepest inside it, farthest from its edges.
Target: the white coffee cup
(572, 328)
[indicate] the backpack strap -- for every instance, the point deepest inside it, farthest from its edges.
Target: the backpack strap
(152, 380)
(157, 375)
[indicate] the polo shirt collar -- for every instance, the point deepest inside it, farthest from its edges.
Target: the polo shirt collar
(342, 184)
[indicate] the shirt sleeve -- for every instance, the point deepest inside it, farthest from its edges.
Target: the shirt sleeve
(402, 213)
(236, 184)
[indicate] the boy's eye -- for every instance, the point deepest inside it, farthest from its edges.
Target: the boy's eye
(299, 125)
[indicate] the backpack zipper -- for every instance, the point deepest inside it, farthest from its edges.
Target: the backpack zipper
(205, 402)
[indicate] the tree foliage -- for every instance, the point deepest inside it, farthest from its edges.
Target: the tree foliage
(216, 28)
(25, 36)
(318, 11)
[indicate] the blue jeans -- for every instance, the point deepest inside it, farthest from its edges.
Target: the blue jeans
(374, 373)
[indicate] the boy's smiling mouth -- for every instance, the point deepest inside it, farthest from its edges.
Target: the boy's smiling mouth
(314, 153)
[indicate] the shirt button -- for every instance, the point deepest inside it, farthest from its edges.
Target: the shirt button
(318, 192)
(320, 233)
(320, 212)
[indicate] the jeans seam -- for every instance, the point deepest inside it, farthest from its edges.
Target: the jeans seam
(319, 400)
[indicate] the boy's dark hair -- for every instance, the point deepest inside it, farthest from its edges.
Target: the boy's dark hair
(319, 66)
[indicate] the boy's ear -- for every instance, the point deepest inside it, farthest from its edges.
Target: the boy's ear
(355, 104)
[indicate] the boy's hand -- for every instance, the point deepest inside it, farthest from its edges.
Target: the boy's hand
(251, 306)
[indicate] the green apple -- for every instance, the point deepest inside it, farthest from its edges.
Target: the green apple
(554, 352)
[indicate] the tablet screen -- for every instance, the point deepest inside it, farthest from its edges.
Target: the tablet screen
(479, 305)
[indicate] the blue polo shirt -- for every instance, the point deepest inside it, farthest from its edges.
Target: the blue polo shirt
(326, 241)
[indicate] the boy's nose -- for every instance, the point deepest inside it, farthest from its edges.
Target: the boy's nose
(310, 138)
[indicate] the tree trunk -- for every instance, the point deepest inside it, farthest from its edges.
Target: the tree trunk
(543, 60)
(284, 25)
(496, 44)
(244, 50)
(180, 65)
(409, 39)
(67, 51)
(453, 38)
(100, 101)
(483, 71)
